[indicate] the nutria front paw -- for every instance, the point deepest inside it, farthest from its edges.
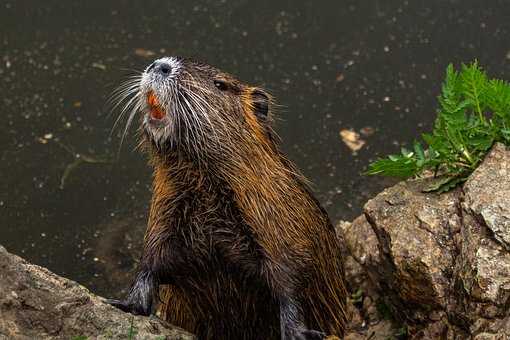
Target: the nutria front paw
(129, 307)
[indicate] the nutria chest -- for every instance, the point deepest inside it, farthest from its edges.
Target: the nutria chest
(200, 245)
(195, 227)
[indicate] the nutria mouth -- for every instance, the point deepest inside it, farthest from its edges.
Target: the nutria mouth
(156, 111)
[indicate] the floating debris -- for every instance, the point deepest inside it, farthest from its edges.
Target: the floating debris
(141, 52)
(99, 66)
(44, 139)
(79, 159)
(352, 139)
(367, 131)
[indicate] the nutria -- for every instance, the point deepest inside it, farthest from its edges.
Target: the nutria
(240, 247)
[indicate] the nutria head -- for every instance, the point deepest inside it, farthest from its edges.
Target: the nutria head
(195, 109)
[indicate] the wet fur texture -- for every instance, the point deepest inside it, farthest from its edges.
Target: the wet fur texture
(236, 245)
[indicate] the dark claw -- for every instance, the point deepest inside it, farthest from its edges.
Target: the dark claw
(127, 307)
(123, 306)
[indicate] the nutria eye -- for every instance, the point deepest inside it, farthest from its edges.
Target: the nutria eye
(221, 85)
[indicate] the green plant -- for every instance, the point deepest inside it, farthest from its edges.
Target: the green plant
(357, 297)
(132, 332)
(383, 309)
(400, 333)
(473, 114)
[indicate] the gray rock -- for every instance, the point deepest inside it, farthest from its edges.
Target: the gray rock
(485, 252)
(486, 194)
(441, 263)
(38, 304)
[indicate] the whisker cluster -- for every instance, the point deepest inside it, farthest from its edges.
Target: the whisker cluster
(126, 98)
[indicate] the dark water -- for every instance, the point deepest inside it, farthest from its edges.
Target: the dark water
(332, 65)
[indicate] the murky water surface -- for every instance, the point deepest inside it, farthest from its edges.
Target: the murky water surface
(371, 66)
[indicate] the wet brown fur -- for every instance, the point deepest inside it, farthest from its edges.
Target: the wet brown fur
(238, 230)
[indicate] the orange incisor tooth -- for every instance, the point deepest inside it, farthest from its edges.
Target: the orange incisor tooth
(156, 111)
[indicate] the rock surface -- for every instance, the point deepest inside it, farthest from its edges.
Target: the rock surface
(440, 263)
(37, 304)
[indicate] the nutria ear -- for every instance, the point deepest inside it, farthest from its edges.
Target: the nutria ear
(260, 101)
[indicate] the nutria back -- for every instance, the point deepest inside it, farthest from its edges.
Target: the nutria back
(236, 245)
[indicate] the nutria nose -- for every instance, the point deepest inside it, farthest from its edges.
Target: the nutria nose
(160, 67)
